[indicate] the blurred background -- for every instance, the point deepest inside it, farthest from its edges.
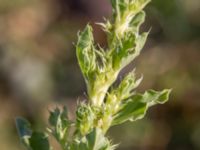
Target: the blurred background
(39, 71)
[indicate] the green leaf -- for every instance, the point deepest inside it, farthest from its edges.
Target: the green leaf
(85, 51)
(137, 5)
(126, 86)
(140, 41)
(125, 12)
(137, 21)
(24, 130)
(124, 49)
(58, 117)
(126, 43)
(85, 118)
(156, 97)
(135, 108)
(60, 125)
(96, 140)
(39, 141)
(131, 48)
(32, 140)
(78, 145)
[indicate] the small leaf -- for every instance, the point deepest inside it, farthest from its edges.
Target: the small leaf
(32, 140)
(137, 5)
(85, 51)
(127, 85)
(96, 140)
(140, 41)
(135, 108)
(134, 50)
(156, 97)
(24, 130)
(137, 21)
(125, 48)
(60, 125)
(39, 141)
(58, 117)
(85, 118)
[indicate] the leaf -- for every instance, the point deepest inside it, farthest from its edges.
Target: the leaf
(60, 124)
(24, 130)
(140, 41)
(85, 51)
(126, 42)
(85, 118)
(57, 117)
(137, 5)
(137, 21)
(126, 86)
(96, 140)
(124, 49)
(32, 140)
(135, 108)
(39, 141)
(128, 16)
(134, 49)
(156, 97)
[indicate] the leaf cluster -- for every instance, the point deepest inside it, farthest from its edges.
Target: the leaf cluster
(107, 105)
